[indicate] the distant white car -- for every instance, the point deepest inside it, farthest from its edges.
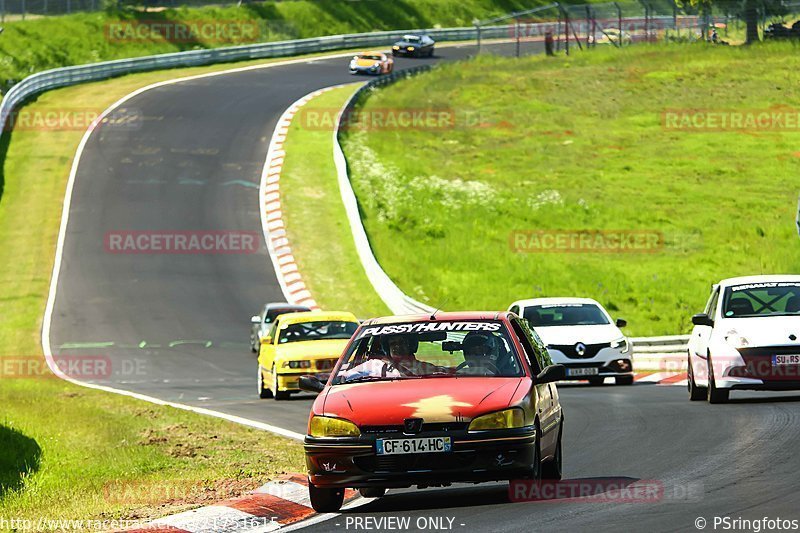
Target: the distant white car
(746, 338)
(580, 335)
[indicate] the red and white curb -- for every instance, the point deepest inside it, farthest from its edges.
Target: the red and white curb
(271, 507)
(272, 221)
(655, 378)
(662, 378)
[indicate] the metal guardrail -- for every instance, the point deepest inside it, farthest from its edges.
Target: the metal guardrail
(65, 76)
(671, 344)
(395, 299)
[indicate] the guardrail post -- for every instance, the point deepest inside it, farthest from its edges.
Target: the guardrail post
(558, 32)
(2, 10)
(516, 30)
(23, 9)
(619, 23)
(675, 18)
(588, 25)
(478, 30)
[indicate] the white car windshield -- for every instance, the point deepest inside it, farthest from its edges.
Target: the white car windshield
(761, 299)
(565, 315)
(430, 349)
(411, 39)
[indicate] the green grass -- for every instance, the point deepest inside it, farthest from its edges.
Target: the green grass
(578, 144)
(37, 44)
(62, 445)
(316, 222)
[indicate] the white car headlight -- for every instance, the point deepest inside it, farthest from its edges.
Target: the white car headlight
(621, 344)
(736, 340)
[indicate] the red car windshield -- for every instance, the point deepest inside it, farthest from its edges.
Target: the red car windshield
(430, 349)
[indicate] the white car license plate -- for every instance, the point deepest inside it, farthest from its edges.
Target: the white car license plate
(582, 371)
(402, 446)
(786, 359)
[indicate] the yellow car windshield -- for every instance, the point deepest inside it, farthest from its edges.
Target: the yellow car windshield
(319, 330)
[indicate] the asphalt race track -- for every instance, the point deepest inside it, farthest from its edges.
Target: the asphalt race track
(176, 326)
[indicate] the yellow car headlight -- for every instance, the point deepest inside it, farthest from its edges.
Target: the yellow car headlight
(296, 364)
(507, 419)
(326, 426)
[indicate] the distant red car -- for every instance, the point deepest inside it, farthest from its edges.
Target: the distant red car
(428, 401)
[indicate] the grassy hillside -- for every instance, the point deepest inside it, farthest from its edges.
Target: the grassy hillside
(564, 145)
(38, 44)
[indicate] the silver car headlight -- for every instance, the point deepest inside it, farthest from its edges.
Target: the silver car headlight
(736, 340)
(621, 344)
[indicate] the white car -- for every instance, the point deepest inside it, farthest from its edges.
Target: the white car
(746, 338)
(580, 335)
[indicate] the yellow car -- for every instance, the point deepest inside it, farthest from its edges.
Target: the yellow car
(298, 344)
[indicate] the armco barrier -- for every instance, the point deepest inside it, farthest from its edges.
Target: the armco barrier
(62, 77)
(395, 299)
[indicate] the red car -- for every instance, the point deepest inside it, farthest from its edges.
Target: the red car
(432, 400)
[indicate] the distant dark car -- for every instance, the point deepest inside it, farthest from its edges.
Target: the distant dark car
(260, 323)
(414, 46)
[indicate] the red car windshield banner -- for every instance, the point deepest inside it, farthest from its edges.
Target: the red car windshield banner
(418, 327)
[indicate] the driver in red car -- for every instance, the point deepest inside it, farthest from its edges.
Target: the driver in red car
(401, 360)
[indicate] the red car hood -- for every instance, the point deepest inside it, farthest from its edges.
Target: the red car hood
(432, 399)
